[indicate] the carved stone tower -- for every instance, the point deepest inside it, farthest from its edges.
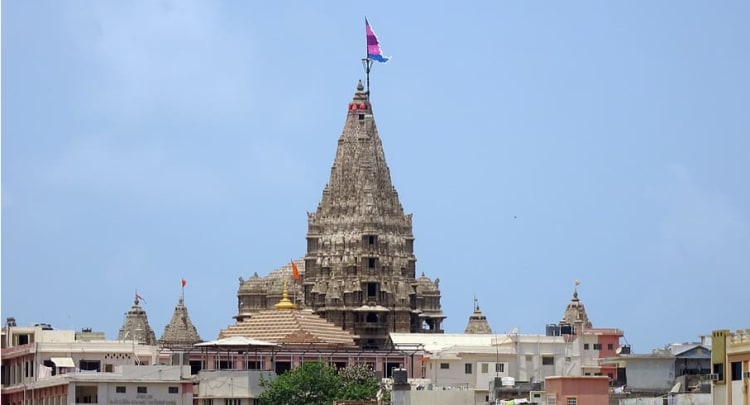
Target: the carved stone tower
(575, 313)
(180, 331)
(136, 327)
(360, 268)
(477, 322)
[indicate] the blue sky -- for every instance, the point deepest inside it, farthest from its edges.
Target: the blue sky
(536, 143)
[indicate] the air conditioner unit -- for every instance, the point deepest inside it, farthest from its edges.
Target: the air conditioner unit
(714, 377)
(746, 375)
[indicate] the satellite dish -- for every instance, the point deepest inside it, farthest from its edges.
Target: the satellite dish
(619, 350)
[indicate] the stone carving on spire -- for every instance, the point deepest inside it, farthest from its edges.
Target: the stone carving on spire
(360, 268)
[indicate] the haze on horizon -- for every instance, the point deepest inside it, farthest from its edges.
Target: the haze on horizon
(535, 144)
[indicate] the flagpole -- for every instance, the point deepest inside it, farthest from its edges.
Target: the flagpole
(367, 64)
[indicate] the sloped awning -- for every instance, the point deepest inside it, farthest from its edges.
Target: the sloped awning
(63, 362)
(235, 341)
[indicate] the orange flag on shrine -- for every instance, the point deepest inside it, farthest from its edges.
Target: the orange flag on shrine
(295, 271)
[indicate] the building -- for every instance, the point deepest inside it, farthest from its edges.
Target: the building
(359, 271)
(180, 331)
(730, 358)
(657, 372)
(135, 326)
(44, 366)
(577, 390)
(479, 361)
(477, 321)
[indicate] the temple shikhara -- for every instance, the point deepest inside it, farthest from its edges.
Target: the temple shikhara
(359, 271)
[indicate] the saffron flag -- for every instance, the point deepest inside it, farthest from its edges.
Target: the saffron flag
(184, 282)
(374, 51)
(295, 271)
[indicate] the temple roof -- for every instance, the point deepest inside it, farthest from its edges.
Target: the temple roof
(360, 185)
(477, 321)
(180, 331)
(291, 327)
(136, 327)
(575, 312)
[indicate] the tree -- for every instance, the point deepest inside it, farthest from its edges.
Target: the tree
(316, 383)
(358, 383)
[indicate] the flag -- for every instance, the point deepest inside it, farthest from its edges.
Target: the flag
(184, 282)
(138, 297)
(374, 51)
(295, 271)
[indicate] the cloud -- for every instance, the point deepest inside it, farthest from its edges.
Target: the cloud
(134, 172)
(145, 56)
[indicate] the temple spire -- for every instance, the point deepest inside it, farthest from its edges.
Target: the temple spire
(285, 302)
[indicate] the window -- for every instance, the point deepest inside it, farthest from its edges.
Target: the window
(719, 370)
(572, 401)
(108, 368)
(499, 367)
(736, 368)
(232, 401)
(445, 366)
(610, 346)
(174, 390)
(467, 368)
(485, 368)
(89, 365)
(548, 361)
(208, 402)
(551, 400)
(371, 262)
(597, 346)
(120, 389)
(585, 346)
(142, 390)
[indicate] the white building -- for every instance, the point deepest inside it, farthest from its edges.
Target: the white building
(42, 366)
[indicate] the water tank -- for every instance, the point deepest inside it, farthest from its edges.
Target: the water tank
(399, 376)
(624, 349)
(553, 329)
(566, 329)
(508, 381)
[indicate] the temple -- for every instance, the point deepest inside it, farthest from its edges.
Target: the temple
(180, 331)
(135, 327)
(359, 271)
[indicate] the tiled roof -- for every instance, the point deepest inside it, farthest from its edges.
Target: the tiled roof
(291, 327)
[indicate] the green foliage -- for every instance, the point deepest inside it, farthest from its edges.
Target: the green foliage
(316, 383)
(358, 382)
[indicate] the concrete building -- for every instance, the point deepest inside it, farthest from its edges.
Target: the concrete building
(359, 271)
(43, 366)
(730, 358)
(657, 372)
(572, 348)
(577, 390)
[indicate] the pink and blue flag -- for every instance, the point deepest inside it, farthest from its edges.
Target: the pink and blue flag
(374, 51)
